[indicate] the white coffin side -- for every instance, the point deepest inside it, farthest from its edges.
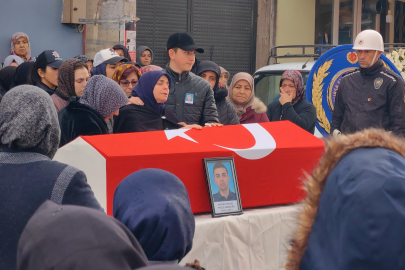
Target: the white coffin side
(85, 157)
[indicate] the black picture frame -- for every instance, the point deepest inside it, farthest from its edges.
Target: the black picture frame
(220, 207)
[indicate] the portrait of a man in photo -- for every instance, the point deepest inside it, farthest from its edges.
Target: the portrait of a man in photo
(221, 179)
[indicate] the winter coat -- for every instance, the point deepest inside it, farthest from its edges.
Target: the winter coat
(46, 88)
(135, 118)
(202, 110)
(255, 113)
(39, 179)
(77, 119)
(303, 114)
(372, 97)
(353, 215)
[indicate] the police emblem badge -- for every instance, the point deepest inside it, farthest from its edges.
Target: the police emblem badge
(378, 82)
(352, 57)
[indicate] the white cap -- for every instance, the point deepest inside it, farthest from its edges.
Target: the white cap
(369, 40)
(108, 56)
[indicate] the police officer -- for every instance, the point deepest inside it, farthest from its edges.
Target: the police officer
(372, 96)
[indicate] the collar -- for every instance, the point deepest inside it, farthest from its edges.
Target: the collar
(373, 69)
(59, 94)
(176, 76)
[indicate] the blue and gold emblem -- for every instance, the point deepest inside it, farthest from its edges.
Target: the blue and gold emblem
(325, 77)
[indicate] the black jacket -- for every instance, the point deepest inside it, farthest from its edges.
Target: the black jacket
(372, 97)
(303, 114)
(226, 111)
(203, 109)
(46, 88)
(77, 119)
(135, 118)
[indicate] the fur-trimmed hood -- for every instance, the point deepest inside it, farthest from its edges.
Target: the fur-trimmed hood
(258, 106)
(354, 212)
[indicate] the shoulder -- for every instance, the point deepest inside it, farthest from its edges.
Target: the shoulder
(199, 81)
(351, 73)
(273, 106)
(390, 75)
(258, 106)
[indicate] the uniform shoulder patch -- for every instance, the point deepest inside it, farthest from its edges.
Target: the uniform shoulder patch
(351, 73)
(389, 76)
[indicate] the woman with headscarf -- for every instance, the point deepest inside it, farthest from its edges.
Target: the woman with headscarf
(155, 207)
(12, 60)
(249, 108)
(89, 61)
(72, 79)
(225, 76)
(153, 90)
(102, 98)
(211, 72)
(353, 215)
(70, 237)
(6, 79)
(150, 68)
(122, 51)
(144, 56)
(292, 105)
(22, 74)
(29, 137)
(21, 46)
(127, 76)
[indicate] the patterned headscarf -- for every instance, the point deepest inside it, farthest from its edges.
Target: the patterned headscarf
(241, 108)
(84, 58)
(66, 78)
(14, 38)
(104, 95)
(296, 77)
(150, 68)
(119, 71)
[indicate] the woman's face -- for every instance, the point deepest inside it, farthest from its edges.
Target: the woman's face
(241, 91)
(116, 113)
(21, 46)
(129, 83)
(224, 78)
(209, 76)
(81, 78)
(49, 77)
(289, 87)
(146, 58)
(110, 69)
(161, 90)
(120, 52)
(90, 66)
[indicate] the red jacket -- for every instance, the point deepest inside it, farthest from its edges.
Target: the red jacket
(255, 113)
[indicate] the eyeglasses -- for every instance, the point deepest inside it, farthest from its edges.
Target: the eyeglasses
(126, 82)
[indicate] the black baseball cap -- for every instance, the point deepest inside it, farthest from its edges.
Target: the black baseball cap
(49, 58)
(183, 41)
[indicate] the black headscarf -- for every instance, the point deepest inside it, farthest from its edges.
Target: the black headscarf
(22, 73)
(125, 50)
(6, 79)
(139, 52)
(220, 93)
(66, 237)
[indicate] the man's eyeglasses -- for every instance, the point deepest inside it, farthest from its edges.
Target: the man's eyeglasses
(126, 82)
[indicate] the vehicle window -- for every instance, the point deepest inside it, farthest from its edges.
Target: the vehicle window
(267, 86)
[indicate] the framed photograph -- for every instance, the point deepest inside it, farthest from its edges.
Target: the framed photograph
(223, 188)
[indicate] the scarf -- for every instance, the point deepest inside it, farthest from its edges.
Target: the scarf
(120, 71)
(99, 70)
(150, 68)
(125, 50)
(225, 71)
(22, 74)
(210, 66)
(103, 95)
(14, 38)
(144, 89)
(66, 79)
(84, 58)
(6, 79)
(296, 77)
(12, 58)
(155, 206)
(241, 108)
(140, 50)
(28, 119)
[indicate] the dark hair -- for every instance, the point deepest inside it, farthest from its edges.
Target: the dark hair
(80, 65)
(34, 77)
(218, 165)
(130, 70)
(174, 49)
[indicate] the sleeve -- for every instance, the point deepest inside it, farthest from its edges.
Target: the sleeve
(305, 119)
(233, 118)
(338, 112)
(209, 112)
(79, 193)
(269, 112)
(396, 103)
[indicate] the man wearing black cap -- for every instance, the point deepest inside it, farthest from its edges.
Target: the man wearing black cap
(201, 110)
(45, 71)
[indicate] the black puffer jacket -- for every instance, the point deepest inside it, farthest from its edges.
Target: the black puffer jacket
(202, 110)
(226, 111)
(372, 97)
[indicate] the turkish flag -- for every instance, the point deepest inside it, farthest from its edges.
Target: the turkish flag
(270, 160)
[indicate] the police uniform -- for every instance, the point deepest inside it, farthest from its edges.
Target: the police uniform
(370, 98)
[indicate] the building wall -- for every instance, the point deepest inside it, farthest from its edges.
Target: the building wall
(41, 21)
(295, 26)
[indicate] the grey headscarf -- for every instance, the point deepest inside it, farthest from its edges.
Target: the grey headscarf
(139, 51)
(104, 95)
(28, 120)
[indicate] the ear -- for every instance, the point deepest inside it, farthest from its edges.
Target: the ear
(172, 54)
(41, 73)
(379, 54)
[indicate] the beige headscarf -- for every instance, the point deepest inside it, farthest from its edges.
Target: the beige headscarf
(241, 108)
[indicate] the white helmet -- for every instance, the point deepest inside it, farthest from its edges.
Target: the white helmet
(369, 40)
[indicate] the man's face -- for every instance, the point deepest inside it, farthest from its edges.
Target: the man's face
(183, 60)
(366, 57)
(189, 97)
(221, 178)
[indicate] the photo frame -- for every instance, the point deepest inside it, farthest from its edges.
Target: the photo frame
(222, 185)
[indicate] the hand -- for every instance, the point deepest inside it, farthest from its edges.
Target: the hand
(221, 84)
(182, 124)
(195, 126)
(136, 101)
(213, 125)
(284, 97)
